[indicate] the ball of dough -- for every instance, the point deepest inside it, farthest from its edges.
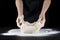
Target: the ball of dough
(30, 28)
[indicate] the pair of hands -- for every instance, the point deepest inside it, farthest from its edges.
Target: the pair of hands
(20, 20)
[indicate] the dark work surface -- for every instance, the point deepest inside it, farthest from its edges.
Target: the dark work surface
(53, 37)
(2, 30)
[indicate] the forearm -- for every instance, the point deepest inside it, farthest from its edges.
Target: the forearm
(45, 7)
(19, 5)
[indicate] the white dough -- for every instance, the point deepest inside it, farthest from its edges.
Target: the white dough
(29, 28)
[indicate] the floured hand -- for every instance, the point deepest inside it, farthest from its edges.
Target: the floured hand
(19, 20)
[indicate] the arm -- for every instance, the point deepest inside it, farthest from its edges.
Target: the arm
(19, 5)
(45, 7)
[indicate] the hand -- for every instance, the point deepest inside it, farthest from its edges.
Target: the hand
(19, 20)
(42, 20)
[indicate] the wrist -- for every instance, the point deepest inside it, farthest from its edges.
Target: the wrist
(42, 14)
(20, 16)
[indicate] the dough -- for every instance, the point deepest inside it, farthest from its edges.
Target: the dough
(30, 28)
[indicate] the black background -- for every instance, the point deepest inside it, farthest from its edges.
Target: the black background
(8, 14)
